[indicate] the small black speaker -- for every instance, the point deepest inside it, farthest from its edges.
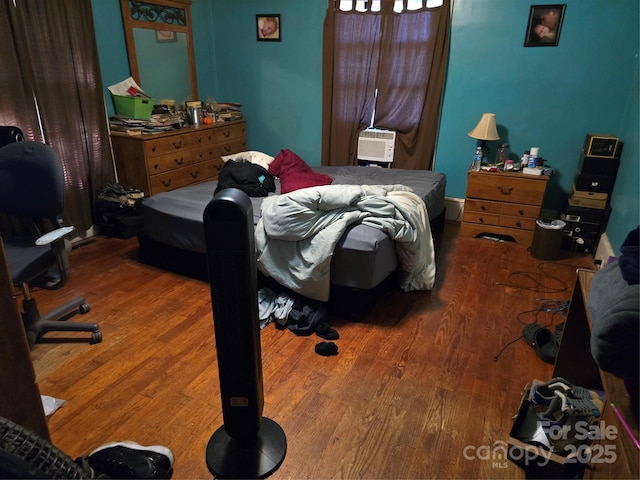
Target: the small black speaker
(10, 135)
(248, 445)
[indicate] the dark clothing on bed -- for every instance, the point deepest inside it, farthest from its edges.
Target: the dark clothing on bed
(251, 178)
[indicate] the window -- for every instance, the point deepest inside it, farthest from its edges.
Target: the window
(385, 64)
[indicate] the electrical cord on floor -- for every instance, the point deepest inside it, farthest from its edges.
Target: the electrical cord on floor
(534, 281)
(548, 305)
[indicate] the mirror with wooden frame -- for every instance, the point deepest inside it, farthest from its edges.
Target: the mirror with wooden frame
(160, 48)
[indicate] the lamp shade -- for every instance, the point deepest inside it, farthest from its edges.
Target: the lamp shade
(486, 128)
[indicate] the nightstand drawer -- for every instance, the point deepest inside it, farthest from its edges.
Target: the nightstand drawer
(526, 211)
(505, 187)
(482, 206)
(517, 222)
(482, 218)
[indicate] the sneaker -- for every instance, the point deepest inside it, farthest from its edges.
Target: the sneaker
(131, 460)
(567, 419)
(543, 393)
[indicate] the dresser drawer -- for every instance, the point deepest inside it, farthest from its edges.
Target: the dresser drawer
(171, 161)
(226, 134)
(506, 187)
(165, 145)
(181, 177)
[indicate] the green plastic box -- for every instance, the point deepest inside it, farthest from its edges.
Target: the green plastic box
(133, 107)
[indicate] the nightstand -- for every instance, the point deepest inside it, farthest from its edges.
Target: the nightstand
(503, 203)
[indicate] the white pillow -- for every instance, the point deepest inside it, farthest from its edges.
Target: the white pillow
(252, 156)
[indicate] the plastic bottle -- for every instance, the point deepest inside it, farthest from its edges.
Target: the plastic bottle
(504, 153)
(477, 159)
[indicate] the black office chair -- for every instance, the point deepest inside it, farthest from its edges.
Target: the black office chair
(32, 189)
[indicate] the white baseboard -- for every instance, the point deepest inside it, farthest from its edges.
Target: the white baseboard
(604, 250)
(455, 208)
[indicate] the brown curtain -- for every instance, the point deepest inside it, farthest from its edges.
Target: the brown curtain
(51, 88)
(404, 56)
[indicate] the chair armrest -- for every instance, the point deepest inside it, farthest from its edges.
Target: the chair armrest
(54, 235)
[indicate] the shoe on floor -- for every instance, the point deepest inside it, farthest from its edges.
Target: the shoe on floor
(567, 417)
(543, 393)
(543, 342)
(128, 459)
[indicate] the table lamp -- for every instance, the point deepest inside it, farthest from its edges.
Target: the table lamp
(485, 130)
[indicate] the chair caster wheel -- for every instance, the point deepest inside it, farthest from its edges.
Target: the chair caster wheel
(84, 308)
(96, 337)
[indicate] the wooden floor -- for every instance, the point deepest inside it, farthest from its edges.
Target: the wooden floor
(415, 391)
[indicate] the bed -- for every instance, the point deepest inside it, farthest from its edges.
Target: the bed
(364, 261)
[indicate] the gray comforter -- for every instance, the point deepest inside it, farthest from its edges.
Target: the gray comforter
(297, 233)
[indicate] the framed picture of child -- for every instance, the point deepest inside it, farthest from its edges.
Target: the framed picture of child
(268, 27)
(544, 25)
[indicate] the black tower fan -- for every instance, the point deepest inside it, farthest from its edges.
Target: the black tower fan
(248, 445)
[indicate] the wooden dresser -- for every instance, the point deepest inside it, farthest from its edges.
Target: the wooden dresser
(165, 161)
(614, 454)
(503, 203)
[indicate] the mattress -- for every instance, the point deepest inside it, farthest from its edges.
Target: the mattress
(363, 258)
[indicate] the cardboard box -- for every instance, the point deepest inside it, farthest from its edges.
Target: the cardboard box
(133, 107)
(581, 198)
(533, 459)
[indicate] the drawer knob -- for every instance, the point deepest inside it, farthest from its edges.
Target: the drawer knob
(194, 174)
(226, 134)
(179, 161)
(481, 220)
(153, 149)
(505, 191)
(199, 139)
(155, 166)
(227, 148)
(518, 224)
(177, 144)
(483, 208)
(166, 183)
(521, 212)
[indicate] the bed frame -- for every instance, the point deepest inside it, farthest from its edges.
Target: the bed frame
(346, 302)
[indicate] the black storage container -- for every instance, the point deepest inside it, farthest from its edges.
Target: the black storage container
(119, 210)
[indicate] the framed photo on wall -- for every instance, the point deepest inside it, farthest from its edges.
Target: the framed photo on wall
(543, 29)
(268, 27)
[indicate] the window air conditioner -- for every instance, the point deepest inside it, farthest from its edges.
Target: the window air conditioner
(376, 145)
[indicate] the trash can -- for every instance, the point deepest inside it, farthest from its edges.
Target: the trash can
(547, 239)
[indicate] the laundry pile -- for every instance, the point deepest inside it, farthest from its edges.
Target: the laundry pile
(300, 315)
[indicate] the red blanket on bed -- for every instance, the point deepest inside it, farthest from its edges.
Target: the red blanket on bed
(294, 173)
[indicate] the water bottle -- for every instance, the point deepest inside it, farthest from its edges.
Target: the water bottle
(477, 160)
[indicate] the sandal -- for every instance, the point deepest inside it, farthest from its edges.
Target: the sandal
(543, 342)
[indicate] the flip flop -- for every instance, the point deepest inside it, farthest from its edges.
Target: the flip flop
(546, 345)
(529, 333)
(543, 341)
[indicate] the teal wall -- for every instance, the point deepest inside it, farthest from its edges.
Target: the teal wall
(548, 97)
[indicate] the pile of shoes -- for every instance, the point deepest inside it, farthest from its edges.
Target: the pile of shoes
(543, 341)
(566, 413)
